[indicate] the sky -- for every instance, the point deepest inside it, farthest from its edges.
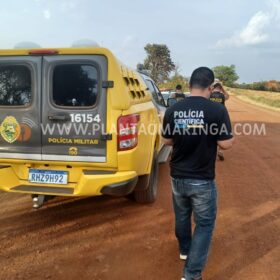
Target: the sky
(245, 33)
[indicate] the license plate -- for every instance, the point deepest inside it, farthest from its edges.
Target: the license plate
(48, 176)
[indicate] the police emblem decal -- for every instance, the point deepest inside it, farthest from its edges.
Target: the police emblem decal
(10, 129)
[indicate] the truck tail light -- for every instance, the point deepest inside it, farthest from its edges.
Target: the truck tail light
(128, 132)
(43, 52)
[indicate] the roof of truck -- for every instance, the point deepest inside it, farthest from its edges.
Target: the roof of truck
(58, 51)
(132, 81)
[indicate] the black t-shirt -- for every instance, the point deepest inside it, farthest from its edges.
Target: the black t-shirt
(179, 95)
(218, 97)
(195, 124)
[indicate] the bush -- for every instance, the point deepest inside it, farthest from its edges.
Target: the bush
(262, 86)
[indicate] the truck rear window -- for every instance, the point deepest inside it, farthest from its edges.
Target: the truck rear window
(75, 85)
(15, 85)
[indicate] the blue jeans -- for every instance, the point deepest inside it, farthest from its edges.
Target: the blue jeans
(200, 198)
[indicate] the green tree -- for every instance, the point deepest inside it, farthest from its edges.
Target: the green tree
(159, 62)
(226, 74)
(175, 80)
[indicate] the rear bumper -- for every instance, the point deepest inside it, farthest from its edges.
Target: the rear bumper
(120, 189)
(90, 183)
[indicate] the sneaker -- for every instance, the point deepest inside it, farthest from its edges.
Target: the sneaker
(183, 257)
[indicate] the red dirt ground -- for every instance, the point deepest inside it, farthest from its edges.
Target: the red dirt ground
(107, 238)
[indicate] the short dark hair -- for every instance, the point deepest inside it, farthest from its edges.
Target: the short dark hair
(202, 77)
(178, 87)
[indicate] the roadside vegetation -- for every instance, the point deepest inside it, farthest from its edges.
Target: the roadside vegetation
(263, 86)
(268, 98)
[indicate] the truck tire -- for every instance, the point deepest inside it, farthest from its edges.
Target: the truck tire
(149, 195)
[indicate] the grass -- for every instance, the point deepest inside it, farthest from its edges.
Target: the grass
(268, 98)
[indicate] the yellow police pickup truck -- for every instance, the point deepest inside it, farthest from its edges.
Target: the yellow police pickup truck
(77, 122)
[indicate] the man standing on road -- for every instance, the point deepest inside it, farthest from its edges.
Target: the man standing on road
(178, 95)
(194, 127)
(219, 95)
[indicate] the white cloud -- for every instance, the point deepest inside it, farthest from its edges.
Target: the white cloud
(257, 29)
(47, 14)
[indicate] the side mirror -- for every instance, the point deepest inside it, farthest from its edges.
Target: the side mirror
(171, 101)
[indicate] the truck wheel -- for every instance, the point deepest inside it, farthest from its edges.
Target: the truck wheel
(149, 195)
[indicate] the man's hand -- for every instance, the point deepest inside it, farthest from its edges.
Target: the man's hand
(226, 144)
(167, 141)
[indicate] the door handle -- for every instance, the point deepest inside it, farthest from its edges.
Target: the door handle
(62, 118)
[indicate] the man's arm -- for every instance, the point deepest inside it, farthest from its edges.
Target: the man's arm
(226, 144)
(167, 141)
(167, 132)
(226, 95)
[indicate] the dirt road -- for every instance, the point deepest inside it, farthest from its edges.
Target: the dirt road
(117, 239)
